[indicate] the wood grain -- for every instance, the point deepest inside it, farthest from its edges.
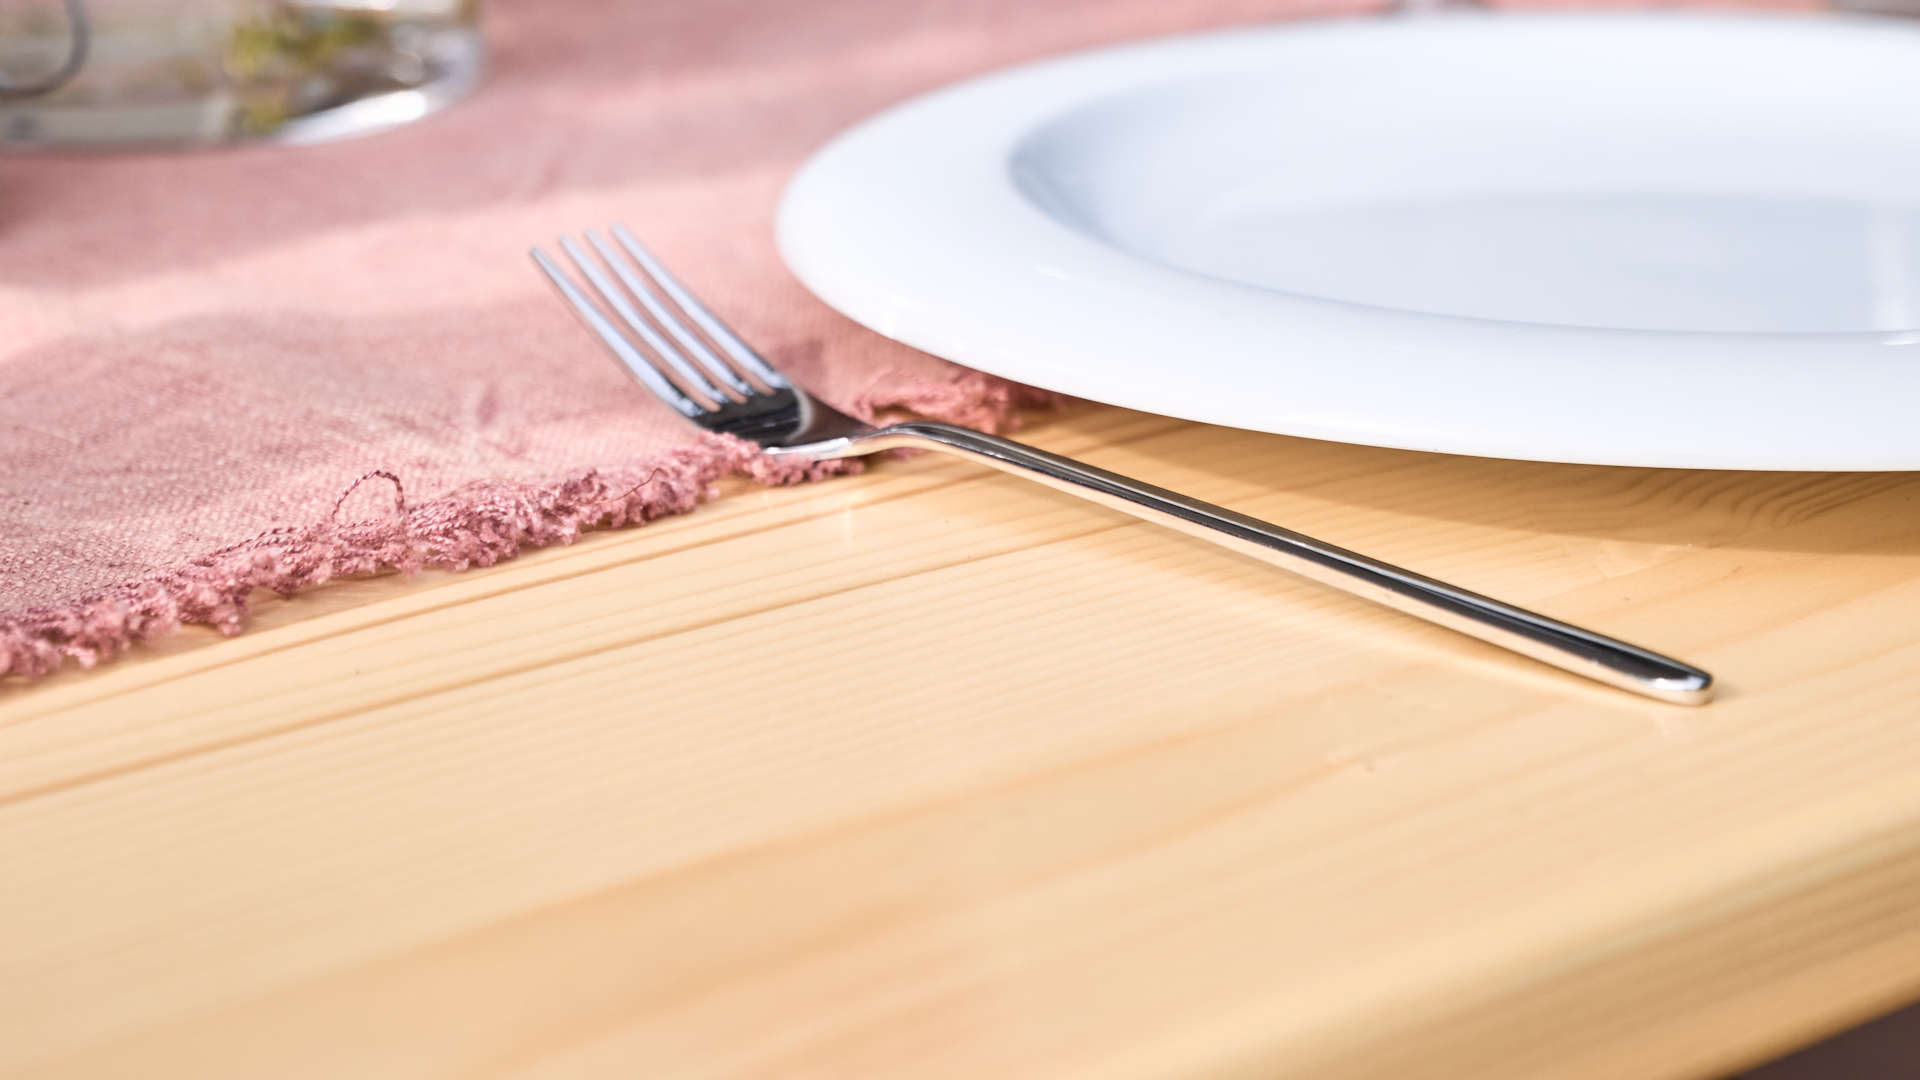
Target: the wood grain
(933, 772)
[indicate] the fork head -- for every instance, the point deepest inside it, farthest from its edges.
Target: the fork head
(674, 346)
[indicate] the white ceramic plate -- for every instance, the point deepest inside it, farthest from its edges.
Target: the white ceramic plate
(1656, 239)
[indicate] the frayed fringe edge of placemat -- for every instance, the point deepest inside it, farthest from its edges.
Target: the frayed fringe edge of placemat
(478, 524)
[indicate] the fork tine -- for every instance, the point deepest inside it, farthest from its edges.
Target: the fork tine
(661, 347)
(687, 338)
(603, 328)
(740, 351)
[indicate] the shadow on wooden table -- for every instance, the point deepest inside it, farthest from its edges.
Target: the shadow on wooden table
(1883, 1049)
(1762, 511)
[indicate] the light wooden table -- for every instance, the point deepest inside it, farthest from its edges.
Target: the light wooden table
(934, 772)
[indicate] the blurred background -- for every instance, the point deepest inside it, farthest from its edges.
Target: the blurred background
(107, 72)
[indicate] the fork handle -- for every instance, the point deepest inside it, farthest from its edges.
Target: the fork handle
(1551, 641)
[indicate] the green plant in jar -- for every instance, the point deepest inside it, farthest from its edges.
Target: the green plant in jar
(286, 58)
(160, 72)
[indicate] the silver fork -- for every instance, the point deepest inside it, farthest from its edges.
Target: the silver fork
(714, 379)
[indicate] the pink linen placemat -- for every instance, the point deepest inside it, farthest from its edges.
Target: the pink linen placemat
(267, 367)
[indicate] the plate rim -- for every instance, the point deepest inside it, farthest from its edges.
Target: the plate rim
(837, 213)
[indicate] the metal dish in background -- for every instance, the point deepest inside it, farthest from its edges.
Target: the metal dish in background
(108, 73)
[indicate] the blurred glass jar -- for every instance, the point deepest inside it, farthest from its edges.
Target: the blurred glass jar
(115, 72)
